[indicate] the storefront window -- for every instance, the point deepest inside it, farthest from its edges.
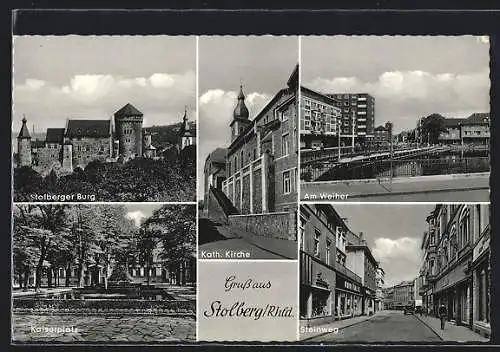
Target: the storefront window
(320, 306)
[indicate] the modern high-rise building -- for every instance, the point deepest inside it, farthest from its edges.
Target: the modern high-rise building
(358, 114)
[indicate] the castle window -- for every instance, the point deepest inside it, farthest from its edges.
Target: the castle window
(242, 159)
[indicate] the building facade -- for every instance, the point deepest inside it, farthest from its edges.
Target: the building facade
(403, 294)
(261, 161)
(329, 290)
(382, 136)
(474, 129)
(379, 292)
(456, 264)
(358, 114)
(361, 261)
(319, 120)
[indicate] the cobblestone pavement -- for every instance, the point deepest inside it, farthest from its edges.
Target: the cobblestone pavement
(41, 328)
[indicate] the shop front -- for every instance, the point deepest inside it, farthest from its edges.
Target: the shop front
(481, 268)
(454, 291)
(348, 297)
(368, 302)
(316, 291)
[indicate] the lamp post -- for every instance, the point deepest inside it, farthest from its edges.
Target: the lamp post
(338, 142)
(353, 129)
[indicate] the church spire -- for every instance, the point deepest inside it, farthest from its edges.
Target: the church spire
(24, 133)
(241, 111)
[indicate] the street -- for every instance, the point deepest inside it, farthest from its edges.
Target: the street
(387, 326)
(218, 238)
(449, 188)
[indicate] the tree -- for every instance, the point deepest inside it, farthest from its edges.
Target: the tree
(432, 126)
(176, 226)
(115, 235)
(43, 227)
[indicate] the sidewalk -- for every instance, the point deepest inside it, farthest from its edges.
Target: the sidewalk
(320, 190)
(324, 329)
(451, 332)
(284, 248)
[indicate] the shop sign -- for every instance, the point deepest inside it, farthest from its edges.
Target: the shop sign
(320, 281)
(345, 284)
(455, 275)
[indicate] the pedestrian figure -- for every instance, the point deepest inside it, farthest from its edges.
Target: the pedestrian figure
(442, 315)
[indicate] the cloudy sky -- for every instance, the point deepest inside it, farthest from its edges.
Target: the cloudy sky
(140, 212)
(262, 64)
(408, 76)
(394, 234)
(91, 77)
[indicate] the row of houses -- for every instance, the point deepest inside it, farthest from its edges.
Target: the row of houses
(339, 277)
(456, 267)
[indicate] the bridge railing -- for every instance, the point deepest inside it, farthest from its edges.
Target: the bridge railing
(385, 169)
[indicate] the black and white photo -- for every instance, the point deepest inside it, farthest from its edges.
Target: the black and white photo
(394, 273)
(102, 273)
(104, 118)
(392, 118)
(249, 152)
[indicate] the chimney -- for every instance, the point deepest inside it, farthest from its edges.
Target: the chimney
(361, 239)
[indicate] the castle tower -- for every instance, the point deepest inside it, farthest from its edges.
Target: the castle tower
(147, 140)
(128, 127)
(67, 162)
(24, 145)
(240, 117)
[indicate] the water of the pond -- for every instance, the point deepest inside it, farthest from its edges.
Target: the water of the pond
(141, 294)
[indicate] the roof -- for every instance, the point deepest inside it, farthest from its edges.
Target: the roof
(128, 110)
(88, 128)
(55, 135)
(241, 111)
(24, 133)
(218, 155)
(329, 99)
(477, 118)
(453, 122)
(380, 128)
(294, 76)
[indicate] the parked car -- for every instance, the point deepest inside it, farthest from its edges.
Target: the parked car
(409, 310)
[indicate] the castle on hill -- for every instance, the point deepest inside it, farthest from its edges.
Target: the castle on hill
(84, 141)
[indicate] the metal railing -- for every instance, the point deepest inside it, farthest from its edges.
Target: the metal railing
(380, 169)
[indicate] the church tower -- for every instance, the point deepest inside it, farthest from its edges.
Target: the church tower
(240, 117)
(24, 145)
(185, 135)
